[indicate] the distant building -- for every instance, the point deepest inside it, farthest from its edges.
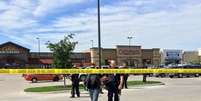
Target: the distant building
(132, 55)
(14, 55)
(191, 57)
(171, 56)
(199, 52)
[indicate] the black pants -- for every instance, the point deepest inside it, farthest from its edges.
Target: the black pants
(113, 92)
(75, 88)
(125, 81)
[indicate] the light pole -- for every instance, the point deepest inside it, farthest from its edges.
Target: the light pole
(129, 38)
(92, 43)
(38, 47)
(129, 45)
(99, 33)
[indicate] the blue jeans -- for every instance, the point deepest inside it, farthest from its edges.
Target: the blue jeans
(94, 93)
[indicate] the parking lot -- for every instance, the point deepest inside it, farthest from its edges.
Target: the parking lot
(176, 89)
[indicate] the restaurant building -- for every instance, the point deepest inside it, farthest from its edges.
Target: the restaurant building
(133, 56)
(14, 55)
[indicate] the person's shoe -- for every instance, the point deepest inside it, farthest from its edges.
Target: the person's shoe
(102, 92)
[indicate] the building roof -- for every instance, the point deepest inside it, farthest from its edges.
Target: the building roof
(12, 43)
(127, 46)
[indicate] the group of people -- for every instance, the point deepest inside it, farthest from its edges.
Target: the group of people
(113, 83)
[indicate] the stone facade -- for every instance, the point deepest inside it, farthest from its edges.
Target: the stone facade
(191, 57)
(107, 55)
(151, 56)
(132, 55)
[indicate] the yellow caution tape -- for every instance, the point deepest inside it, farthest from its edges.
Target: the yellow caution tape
(96, 71)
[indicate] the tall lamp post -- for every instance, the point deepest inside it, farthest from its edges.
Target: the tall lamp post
(38, 47)
(99, 33)
(92, 43)
(129, 45)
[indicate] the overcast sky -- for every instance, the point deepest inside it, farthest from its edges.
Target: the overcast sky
(169, 24)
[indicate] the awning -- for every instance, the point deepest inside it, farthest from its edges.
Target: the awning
(46, 61)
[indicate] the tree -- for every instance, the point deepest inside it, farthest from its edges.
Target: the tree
(62, 53)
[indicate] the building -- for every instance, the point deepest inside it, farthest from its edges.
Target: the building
(132, 55)
(171, 56)
(151, 56)
(14, 55)
(106, 53)
(191, 57)
(199, 54)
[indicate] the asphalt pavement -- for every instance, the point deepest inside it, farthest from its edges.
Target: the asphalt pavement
(176, 89)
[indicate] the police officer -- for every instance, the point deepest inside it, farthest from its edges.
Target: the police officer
(124, 66)
(75, 84)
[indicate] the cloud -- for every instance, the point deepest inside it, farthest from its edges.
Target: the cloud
(46, 6)
(153, 23)
(118, 21)
(17, 15)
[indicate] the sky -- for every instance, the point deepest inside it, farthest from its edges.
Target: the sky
(165, 24)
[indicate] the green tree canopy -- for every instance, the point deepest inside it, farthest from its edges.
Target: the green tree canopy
(62, 51)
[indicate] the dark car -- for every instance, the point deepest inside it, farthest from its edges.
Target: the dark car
(181, 75)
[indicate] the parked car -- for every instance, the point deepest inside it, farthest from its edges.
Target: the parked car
(181, 75)
(41, 77)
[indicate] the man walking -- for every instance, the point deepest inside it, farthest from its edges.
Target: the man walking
(114, 83)
(93, 84)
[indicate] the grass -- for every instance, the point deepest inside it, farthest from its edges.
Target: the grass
(62, 88)
(137, 83)
(50, 88)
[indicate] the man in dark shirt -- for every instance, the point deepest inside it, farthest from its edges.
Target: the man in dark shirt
(114, 83)
(75, 84)
(124, 66)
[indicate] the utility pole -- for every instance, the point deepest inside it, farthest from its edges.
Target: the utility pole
(99, 33)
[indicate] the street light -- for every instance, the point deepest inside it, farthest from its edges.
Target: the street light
(99, 33)
(129, 45)
(38, 47)
(92, 43)
(130, 38)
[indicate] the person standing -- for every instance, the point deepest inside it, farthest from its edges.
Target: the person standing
(114, 83)
(93, 84)
(75, 84)
(124, 66)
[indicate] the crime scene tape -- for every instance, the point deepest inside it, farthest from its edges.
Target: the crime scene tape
(96, 71)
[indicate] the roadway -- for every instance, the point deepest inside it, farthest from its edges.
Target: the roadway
(176, 89)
